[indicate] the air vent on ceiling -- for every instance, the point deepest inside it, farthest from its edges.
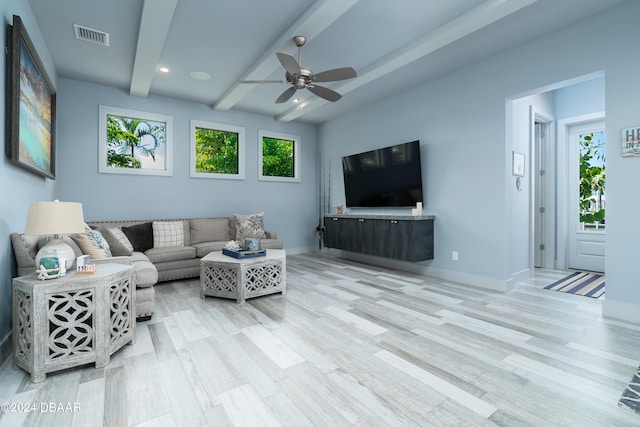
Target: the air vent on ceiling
(90, 35)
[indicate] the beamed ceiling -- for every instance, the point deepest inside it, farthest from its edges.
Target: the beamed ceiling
(393, 45)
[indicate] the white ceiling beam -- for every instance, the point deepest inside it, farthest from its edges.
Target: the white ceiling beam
(465, 24)
(314, 21)
(154, 27)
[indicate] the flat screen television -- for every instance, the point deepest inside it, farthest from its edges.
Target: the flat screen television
(386, 177)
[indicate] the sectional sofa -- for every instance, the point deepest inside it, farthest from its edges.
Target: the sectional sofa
(159, 250)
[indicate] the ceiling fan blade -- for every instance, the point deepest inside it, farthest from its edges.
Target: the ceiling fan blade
(335, 75)
(284, 97)
(325, 93)
(263, 81)
(289, 63)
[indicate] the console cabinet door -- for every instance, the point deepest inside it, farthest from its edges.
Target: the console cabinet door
(396, 238)
(333, 231)
(407, 240)
(422, 246)
(365, 239)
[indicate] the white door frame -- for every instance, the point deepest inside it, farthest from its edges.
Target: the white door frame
(549, 190)
(564, 228)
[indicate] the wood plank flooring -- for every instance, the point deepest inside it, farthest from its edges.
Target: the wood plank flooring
(351, 344)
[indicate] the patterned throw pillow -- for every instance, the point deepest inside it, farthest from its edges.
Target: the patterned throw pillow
(121, 237)
(249, 226)
(117, 248)
(92, 243)
(167, 234)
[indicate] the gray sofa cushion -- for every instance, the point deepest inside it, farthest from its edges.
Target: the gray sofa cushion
(145, 301)
(210, 230)
(270, 244)
(174, 253)
(146, 272)
(204, 248)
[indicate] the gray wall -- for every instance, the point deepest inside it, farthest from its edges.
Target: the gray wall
(580, 99)
(290, 208)
(618, 53)
(461, 120)
(19, 187)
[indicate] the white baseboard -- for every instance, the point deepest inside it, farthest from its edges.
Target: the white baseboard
(518, 277)
(414, 267)
(621, 311)
(298, 251)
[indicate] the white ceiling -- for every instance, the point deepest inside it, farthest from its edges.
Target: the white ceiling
(393, 45)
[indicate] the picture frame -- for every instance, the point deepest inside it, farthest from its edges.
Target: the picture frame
(30, 105)
(518, 164)
(283, 163)
(630, 138)
(134, 142)
(217, 150)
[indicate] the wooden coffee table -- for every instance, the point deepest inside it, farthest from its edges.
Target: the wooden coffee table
(227, 277)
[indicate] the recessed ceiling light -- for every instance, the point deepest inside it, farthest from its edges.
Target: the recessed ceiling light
(200, 75)
(164, 69)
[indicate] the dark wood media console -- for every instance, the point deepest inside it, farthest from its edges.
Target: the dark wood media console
(407, 238)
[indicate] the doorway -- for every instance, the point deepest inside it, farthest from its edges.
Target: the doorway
(568, 227)
(586, 145)
(543, 194)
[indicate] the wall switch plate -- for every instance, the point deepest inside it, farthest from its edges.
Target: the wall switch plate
(454, 256)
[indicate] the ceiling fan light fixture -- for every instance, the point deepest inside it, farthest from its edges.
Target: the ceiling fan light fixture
(299, 77)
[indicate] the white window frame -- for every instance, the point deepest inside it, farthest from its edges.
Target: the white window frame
(221, 127)
(296, 156)
(104, 111)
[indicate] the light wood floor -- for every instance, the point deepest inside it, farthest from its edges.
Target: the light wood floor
(352, 344)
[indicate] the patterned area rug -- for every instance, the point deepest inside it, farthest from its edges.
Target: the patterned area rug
(631, 397)
(580, 283)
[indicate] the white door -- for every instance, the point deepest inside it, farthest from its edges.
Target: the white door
(586, 202)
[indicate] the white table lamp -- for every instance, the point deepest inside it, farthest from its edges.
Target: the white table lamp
(55, 218)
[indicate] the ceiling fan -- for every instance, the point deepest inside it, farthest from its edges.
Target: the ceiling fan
(300, 77)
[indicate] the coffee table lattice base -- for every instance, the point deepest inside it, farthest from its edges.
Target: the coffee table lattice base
(239, 279)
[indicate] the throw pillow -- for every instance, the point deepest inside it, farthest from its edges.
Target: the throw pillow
(140, 236)
(249, 226)
(168, 234)
(92, 243)
(117, 248)
(121, 237)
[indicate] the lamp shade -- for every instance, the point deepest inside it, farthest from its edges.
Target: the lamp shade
(54, 218)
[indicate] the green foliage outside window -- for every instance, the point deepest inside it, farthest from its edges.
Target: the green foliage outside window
(277, 157)
(216, 151)
(592, 177)
(127, 137)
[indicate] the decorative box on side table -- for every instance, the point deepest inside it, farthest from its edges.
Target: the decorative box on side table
(241, 278)
(72, 320)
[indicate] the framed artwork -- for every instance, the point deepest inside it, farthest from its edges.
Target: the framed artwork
(134, 142)
(278, 157)
(517, 167)
(31, 106)
(217, 150)
(631, 142)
